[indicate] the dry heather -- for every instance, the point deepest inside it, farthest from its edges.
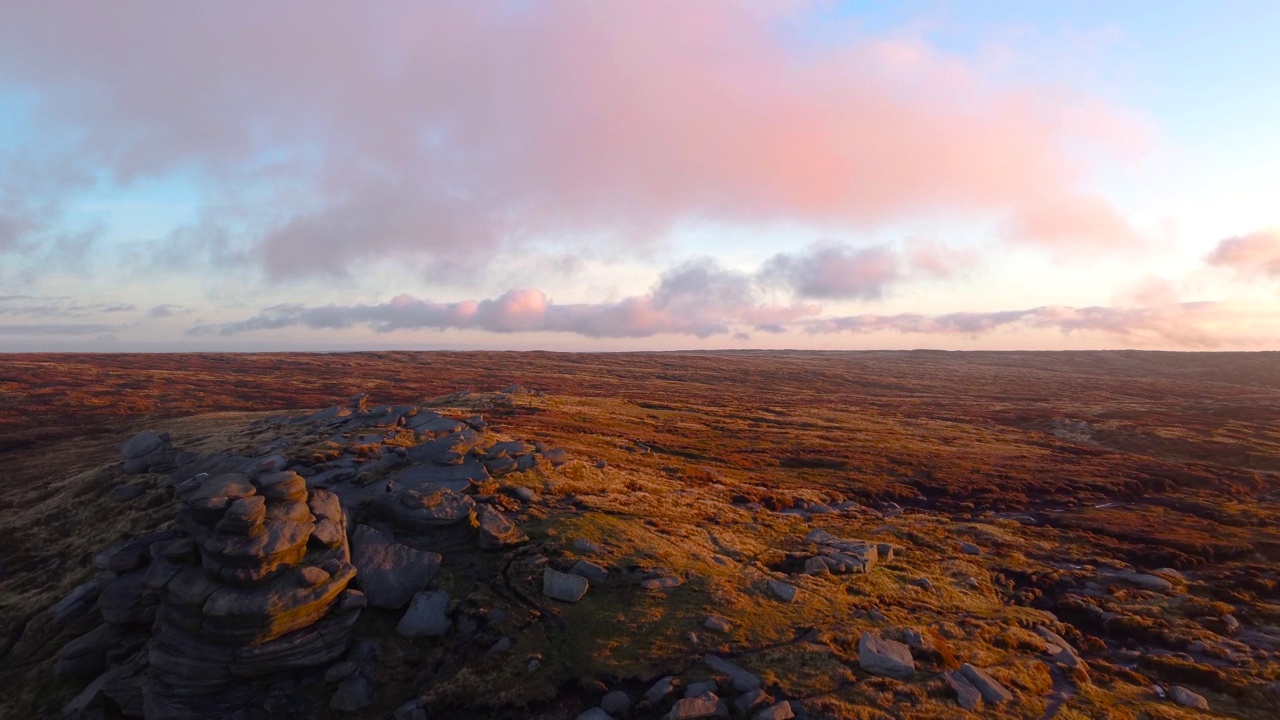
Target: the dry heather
(1077, 477)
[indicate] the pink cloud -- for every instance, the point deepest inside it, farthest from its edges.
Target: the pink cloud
(450, 129)
(698, 298)
(1255, 254)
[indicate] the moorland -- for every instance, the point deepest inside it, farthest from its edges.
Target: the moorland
(764, 534)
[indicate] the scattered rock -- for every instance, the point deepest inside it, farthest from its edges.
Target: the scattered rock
(717, 624)
(426, 615)
(702, 706)
(783, 591)
(741, 679)
(591, 571)
(879, 656)
(563, 586)
(353, 695)
(778, 711)
(496, 531)
(1154, 583)
(966, 694)
(752, 701)
(969, 548)
(1186, 698)
(616, 703)
(388, 572)
(992, 691)
(660, 690)
(340, 671)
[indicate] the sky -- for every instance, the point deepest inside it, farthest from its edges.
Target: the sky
(314, 175)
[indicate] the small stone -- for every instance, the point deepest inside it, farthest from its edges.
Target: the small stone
(500, 646)
(969, 548)
(717, 624)
(779, 711)
(924, 584)
(702, 706)
(311, 576)
(662, 582)
(751, 701)
(879, 656)
(660, 690)
(594, 713)
(816, 566)
(885, 551)
(563, 586)
(783, 591)
(353, 695)
(590, 547)
(1186, 698)
(616, 703)
(591, 571)
(410, 711)
(698, 688)
(340, 671)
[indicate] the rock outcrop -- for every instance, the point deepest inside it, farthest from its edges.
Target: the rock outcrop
(249, 590)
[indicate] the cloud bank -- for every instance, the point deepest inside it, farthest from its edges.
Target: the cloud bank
(327, 134)
(1256, 254)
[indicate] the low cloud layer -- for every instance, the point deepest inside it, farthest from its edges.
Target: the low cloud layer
(1256, 254)
(325, 134)
(698, 299)
(1187, 325)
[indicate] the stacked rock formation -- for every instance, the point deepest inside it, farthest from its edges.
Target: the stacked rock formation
(256, 584)
(148, 451)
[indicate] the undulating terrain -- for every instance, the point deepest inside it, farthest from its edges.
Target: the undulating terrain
(537, 535)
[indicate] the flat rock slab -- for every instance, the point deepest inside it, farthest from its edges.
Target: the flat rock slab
(966, 694)
(564, 586)
(426, 616)
(743, 680)
(879, 656)
(388, 572)
(992, 691)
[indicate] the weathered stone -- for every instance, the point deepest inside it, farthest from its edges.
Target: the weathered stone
(1186, 698)
(702, 706)
(661, 582)
(124, 599)
(1154, 583)
(778, 711)
(284, 485)
(992, 691)
(353, 695)
(591, 571)
(785, 592)
(816, 566)
(563, 586)
(718, 624)
(966, 694)
(426, 616)
(215, 492)
(752, 701)
(885, 551)
(411, 710)
(589, 547)
(660, 690)
(340, 671)
(496, 531)
(741, 679)
(700, 687)
(243, 515)
(311, 576)
(880, 656)
(594, 713)
(390, 573)
(76, 602)
(144, 443)
(616, 703)
(969, 548)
